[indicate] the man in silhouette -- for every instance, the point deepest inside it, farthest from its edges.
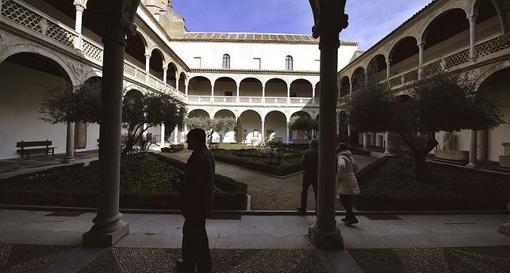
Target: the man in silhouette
(310, 165)
(197, 194)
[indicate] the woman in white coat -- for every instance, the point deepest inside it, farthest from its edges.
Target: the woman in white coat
(347, 182)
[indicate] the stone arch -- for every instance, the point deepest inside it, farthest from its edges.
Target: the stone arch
(13, 49)
(301, 88)
(225, 86)
(358, 78)
(250, 87)
(171, 74)
(182, 82)
(482, 77)
(251, 121)
(485, 10)
(156, 63)
(136, 48)
(376, 68)
(200, 86)
(318, 89)
(276, 121)
(198, 113)
(404, 54)
(345, 87)
(276, 87)
(300, 136)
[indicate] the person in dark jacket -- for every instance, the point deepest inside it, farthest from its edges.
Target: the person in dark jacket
(198, 199)
(310, 173)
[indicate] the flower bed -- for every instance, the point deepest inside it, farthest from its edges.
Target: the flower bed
(269, 162)
(390, 186)
(151, 182)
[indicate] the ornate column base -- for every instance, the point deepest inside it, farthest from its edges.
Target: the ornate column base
(105, 234)
(67, 160)
(325, 240)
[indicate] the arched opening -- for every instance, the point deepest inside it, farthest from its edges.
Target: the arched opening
(404, 55)
(197, 113)
(276, 126)
(86, 135)
(289, 63)
(26, 81)
(199, 86)
(252, 127)
(447, 32)
(250, 87)
(376, 69)
(276, 88)
(226, 61)
(345, 86)
(225, 86)
(358, 79)
(301, 88)
(156, 64)
(488, 23)
(226, 132)
(495, 88)
(135, 50)
(182, 83)
(301, 136)
(170, 75)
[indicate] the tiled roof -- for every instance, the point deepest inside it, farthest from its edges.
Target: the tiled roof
(251, 37)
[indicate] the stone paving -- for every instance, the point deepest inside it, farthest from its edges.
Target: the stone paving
(270, 192)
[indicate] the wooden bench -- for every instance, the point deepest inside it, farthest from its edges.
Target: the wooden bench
(28, 147)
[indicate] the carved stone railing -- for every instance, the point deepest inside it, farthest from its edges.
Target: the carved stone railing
(258, 101)
(450, 62)
(32, 21)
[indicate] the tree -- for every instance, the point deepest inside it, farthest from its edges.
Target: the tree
(305, 124)
(239, 131)
(221, 124)
(436, 103)
(198, 122)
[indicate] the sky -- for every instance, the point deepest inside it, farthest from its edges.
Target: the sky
(369, 20)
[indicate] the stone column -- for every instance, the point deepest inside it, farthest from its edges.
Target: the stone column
(388, 69)
(263, 131)
(313, 91)
(288, 131)
(483, 137)
(421, 51)
(165, 69)
(365, 140)
(473, 150)
(186, 87)
(176, 132)
(108, 226)
(147, 65)
(212, 92)
(162, 133)
(288, 94)
(69, 143)
(263, 93)
(324, 233)
(80, 6)
(389, 145)
(472, 36)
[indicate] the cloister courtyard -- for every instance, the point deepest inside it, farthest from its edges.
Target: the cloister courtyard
(97, 99)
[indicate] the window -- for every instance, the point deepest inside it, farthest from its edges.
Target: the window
(197, 61)
(258, 63)
(289, 63)
(226, 61)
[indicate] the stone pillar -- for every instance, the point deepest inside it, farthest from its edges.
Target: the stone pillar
(108, 226)
(473, 150)
(212, 92)
(186, 86)
(483, 151)
(288, 94)
(365, 140)
(162, 133)
(388, 69)
(324, 233)
(389, 145)
(69, 143)
(165, 69)
(472, 36)
(147, 65)
(313, 91)
(176, 135)
(263, 93)
(263, 133)
(80, 6)
(288, 131)
(421, 51)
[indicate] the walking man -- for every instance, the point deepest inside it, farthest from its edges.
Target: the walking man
(310, 174)
(198, 194)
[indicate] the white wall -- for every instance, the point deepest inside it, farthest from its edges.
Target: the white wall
(242, 55)
(22, 91)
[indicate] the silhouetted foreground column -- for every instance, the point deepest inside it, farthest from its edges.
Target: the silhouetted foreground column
(325, 233)
(108, 226)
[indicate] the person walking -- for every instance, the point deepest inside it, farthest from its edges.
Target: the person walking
(347, 183)
(198, 199)
(310, 173)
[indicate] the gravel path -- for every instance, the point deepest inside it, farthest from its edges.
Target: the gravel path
(269, 192)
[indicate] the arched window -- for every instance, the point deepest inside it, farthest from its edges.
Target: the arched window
(289, 63)
(226, 61)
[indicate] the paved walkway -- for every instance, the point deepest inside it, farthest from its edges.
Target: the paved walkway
(269, 192)
(283, 235)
